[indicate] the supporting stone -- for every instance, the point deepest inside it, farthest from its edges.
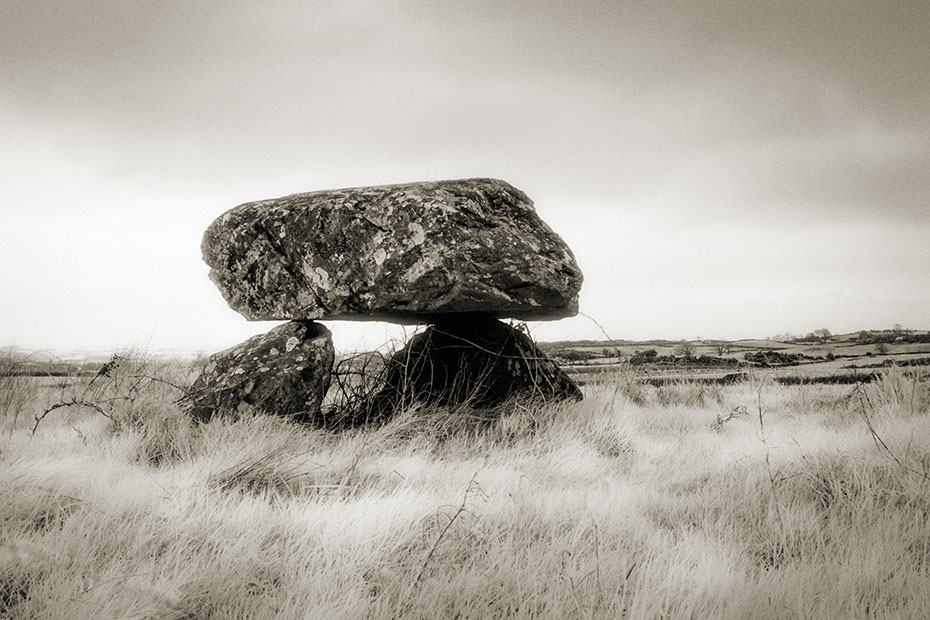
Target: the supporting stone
(285, 372)
(470, 360)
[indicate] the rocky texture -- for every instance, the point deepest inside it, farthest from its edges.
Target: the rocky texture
(401, 253)
(285, 372)
(457, 254)
(469, 359)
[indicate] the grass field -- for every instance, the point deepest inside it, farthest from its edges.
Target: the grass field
(812, 501)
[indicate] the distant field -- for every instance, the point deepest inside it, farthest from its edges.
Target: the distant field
(841, 357)
(686, 500)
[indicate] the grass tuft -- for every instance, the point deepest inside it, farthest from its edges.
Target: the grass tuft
(639, 502)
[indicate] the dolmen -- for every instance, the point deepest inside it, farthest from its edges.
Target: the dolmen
(457, 256)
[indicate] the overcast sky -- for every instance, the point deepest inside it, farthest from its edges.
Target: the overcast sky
(720, 169)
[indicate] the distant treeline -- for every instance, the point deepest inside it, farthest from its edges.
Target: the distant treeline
(917, 361)
(820, 336)
(886, 336)
(866, 337)
(561, 345)
(650, 356)
(739, 377)
(28, 368)
(847, 379)
(47, 372)
(768, 359)
(765, 359)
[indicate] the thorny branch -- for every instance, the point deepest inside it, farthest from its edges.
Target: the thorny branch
(470, 489)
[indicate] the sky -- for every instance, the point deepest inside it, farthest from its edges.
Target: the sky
(729, 169)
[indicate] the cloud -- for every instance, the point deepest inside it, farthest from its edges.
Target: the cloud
(735, 106)
(757, 150)
(875, 50)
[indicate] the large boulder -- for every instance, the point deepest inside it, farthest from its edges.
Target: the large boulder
(469, 360)
(284, 372)
(401, 253)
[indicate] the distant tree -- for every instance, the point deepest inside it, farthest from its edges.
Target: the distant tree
(823, 335)
(881, 347)
(685, 349)
(897, 330)
(865, 336)
(722, 349)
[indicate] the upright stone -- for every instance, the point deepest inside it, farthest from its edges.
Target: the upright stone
(474, 360)
(284, 372)
(401, 253)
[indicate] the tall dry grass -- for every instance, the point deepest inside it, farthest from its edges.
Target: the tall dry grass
(635, 503)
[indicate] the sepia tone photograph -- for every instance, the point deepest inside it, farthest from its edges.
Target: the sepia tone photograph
(390, 309)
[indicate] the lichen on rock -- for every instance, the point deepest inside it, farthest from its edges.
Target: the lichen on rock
(402, 253)
(284, 372)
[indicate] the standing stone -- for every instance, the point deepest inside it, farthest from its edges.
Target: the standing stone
(399, 253)
(284, 372)
(469, 359)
